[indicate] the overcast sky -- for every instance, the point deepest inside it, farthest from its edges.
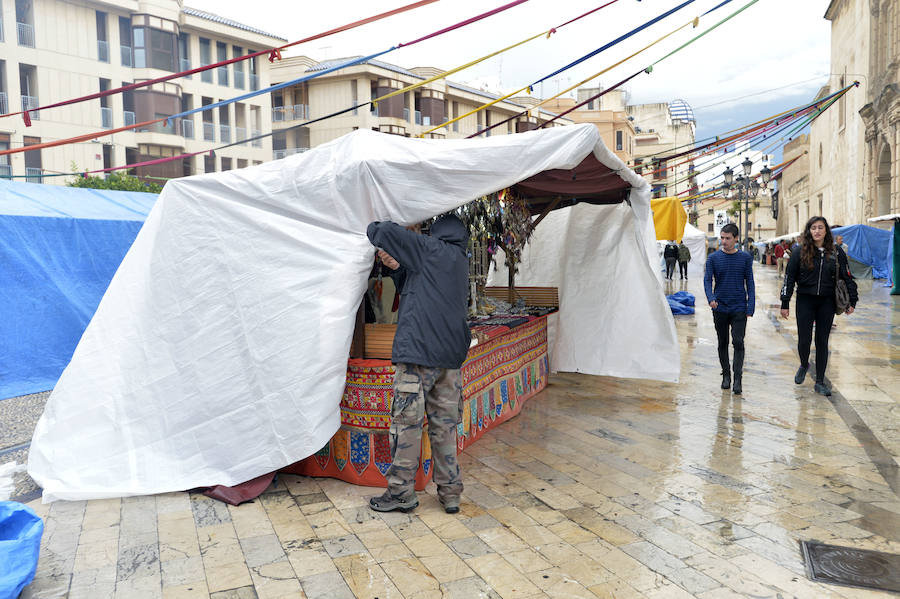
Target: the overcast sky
(773, 45)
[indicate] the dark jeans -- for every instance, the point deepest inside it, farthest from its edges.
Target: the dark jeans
(818, 310)
(682, 269)
(737, 321)
(670, 267)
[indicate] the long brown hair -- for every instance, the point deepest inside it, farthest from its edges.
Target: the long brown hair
(808, 246)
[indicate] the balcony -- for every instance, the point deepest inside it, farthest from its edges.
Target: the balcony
(4, 104)
(29, 103)
(5, 171)
(290, 113)
(187, 128)
(301, 111)
(25, 33)
(206, 76)
(256, 143)
(34, 175)
(222, 75)
(254, 82)
(106, 117)
(209, 131)
(184, 65)
(125, 55)
(128, 118)
(238, 78)
(279, 154)
(103, 50)
(225, 133)
(240, 135)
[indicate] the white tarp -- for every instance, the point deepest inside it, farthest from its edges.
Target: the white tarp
(219, 350)
(695, 240)
(613, 316)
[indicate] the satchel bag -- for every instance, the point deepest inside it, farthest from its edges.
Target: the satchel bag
(841, 294)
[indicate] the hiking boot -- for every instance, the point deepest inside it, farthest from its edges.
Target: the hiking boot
(390, 503)
(451, 506)
(736, 388)
(726, 380)
(823, 389)
(801, 374)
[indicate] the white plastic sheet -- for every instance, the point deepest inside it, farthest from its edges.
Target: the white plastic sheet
(219, 351)
(695, 240)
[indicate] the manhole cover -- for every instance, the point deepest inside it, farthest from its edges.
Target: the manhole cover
(852, 567)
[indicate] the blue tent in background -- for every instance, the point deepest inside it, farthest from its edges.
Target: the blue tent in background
(869, 246)
(59, 249)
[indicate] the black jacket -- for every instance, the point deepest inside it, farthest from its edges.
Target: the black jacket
(816, 281)
(671, 251)
(432, 329)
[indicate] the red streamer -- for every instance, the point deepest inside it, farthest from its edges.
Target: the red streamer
(272, 52)
(466, 22)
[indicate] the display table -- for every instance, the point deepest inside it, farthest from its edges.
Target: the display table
(498, 376)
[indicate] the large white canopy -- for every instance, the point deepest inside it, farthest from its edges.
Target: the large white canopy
(219, 350)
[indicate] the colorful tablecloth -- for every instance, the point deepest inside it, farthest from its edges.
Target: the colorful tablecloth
(498, 377)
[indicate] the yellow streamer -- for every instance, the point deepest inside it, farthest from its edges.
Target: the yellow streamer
(489, 104)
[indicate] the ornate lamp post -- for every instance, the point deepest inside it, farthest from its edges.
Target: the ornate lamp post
(746, 188)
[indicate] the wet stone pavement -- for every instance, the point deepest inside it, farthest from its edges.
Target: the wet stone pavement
(601, 487)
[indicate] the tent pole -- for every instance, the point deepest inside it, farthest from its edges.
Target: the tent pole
(546, 211)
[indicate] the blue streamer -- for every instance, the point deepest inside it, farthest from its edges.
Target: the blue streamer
(273, 88)
(715, 8)
(617, 40)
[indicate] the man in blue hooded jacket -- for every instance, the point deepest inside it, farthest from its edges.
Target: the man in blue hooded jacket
(431, 344)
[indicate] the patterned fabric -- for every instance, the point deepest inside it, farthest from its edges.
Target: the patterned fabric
(497, 377)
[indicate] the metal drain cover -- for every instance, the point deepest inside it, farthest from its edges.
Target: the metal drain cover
(851, 567)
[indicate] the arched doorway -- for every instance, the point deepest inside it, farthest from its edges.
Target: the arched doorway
(884, 181)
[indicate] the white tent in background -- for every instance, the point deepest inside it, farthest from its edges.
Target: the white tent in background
(219, 350)
(695, 239)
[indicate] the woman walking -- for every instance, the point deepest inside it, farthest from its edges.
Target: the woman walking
(815, 267)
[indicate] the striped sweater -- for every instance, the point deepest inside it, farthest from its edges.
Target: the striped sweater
(733, 289)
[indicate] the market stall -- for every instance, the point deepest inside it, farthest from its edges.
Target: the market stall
(224, 359)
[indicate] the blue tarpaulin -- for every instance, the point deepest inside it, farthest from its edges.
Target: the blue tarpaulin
(868, 245)
(681, 302)
(59, 248)
(20, 544)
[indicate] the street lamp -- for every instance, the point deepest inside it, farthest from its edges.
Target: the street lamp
(746, 188)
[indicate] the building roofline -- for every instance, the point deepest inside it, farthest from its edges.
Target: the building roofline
(202, 14)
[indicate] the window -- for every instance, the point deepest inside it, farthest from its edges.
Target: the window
(238, 67)
(226, 164)
(254, 76)
(102, 38)
(209, 164)
(590, 104)
(5, 168)
(34, 170)
(125, 43)
(205, 59)
(354, 95)
(709, 228)
(221, 56)
(456, 116)
(140, 50)
(106, 116)
(184, 53)
(619, 144)
(25, 24)
(710, 211)
(163, 50)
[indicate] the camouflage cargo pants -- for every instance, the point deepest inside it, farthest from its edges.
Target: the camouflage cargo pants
(437, 392)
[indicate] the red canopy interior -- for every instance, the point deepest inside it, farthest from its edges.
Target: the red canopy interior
(590, 181)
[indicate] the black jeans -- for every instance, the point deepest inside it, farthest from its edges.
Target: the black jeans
(670, 267)
(818, 310)
(682, 269)
(737, 322)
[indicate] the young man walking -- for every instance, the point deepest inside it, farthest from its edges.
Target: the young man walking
(730, 291)
(431, 344)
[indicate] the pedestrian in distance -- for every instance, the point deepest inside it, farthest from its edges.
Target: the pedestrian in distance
(731, 293)
(671, 256)
(780, 260)
(684, 256)
(815, 268)
(430, 345)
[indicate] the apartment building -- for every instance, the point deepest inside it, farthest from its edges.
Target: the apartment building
(412, 113)
(54, 50)
(607, 113)
(661, 129)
